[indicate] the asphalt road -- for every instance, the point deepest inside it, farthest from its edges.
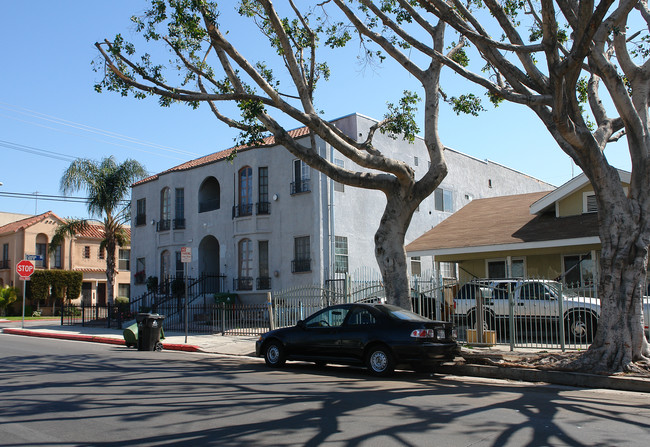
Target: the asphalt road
(60, 393)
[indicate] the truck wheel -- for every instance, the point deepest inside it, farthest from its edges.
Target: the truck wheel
(580, 327)
(489, 322)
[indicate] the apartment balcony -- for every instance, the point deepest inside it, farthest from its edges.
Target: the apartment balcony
(163, 225)
(179, 223)
(301, 186)
(300, 265)
(263, 283)
(263, 208)
(243, 210)
(5, 264)
(244, 283)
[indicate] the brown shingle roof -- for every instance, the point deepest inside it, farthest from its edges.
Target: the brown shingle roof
(222, 155)
(503, 220)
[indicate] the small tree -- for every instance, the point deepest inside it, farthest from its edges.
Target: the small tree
(8, 295)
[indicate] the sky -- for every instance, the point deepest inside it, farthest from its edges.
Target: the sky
(50, 113)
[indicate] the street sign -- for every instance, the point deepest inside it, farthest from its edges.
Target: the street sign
(34, 257)
(186, 254)
(25, 269)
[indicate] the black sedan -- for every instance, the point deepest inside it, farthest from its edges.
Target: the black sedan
(379, 336)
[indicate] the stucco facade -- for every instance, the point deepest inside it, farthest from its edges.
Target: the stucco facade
(32, 236)
(266, 221)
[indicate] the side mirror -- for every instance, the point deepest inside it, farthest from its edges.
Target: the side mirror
(301, 324)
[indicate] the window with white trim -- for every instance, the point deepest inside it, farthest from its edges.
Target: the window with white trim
(589, 204)
(444, 201)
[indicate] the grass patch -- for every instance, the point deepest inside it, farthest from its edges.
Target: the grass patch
(29, 318)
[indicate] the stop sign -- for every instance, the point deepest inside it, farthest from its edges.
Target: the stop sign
(25, 268)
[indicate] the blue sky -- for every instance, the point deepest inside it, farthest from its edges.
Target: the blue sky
(48, 105)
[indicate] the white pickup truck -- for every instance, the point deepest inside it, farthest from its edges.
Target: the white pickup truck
(536, 308)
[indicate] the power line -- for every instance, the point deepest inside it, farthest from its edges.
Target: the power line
(53, 198)
(94, 130)
(36, 151)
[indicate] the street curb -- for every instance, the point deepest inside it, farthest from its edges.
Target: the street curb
(567, 378)
(93, 339)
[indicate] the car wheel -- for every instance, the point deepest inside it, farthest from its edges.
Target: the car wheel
(379, 361)
(274, 355)
(580, 327)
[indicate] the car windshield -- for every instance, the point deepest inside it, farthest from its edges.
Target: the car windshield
(401, 314)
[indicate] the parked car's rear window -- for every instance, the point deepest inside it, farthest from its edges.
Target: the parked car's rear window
(401, 314)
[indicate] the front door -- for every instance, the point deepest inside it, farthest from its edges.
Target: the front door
(101, 294)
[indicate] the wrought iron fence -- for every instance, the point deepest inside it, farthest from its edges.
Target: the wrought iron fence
(110, 316)
(518, 313)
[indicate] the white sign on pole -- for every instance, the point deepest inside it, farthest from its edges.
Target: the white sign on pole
(186, 254)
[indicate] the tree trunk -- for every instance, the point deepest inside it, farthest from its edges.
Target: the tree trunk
(620, 339)
(110, 271)
(390, 252)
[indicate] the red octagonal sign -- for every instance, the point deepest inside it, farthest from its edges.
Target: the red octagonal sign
(25, 268)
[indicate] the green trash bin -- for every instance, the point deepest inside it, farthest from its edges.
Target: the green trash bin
(131, 335)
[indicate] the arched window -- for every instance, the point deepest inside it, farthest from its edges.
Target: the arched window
(165, 210)
(209, 195)
(245, 265)
(245, 192)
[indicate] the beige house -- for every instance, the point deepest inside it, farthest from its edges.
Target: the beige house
(32, 235)
(548, 235)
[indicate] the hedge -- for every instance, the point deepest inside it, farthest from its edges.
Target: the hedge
(61, 283)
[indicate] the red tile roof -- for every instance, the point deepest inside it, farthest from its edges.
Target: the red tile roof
(89, 270)
(222, 155)
(96, 231)
(93, 231)
(503, 220)
(22, 224)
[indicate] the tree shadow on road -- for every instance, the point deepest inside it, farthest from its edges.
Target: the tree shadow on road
(125, 397)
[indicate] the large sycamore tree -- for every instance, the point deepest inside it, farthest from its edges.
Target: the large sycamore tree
(209, 69)
(583, 69)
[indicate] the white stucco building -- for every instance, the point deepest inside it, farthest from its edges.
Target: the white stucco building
(267, 221)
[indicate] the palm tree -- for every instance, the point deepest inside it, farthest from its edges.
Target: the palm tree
(107, 185)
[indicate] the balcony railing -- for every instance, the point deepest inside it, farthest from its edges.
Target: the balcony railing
(245, 283)
(5, 264)
(179, 223)
(300, 265)
(299, 186)
(263, 208)
(163, 225)
(140, 219)
(245, 209)
(263, 283)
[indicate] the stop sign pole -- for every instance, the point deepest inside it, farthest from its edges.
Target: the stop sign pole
(24, 269)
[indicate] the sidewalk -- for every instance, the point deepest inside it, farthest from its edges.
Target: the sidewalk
(245, 346)
(173, 341)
